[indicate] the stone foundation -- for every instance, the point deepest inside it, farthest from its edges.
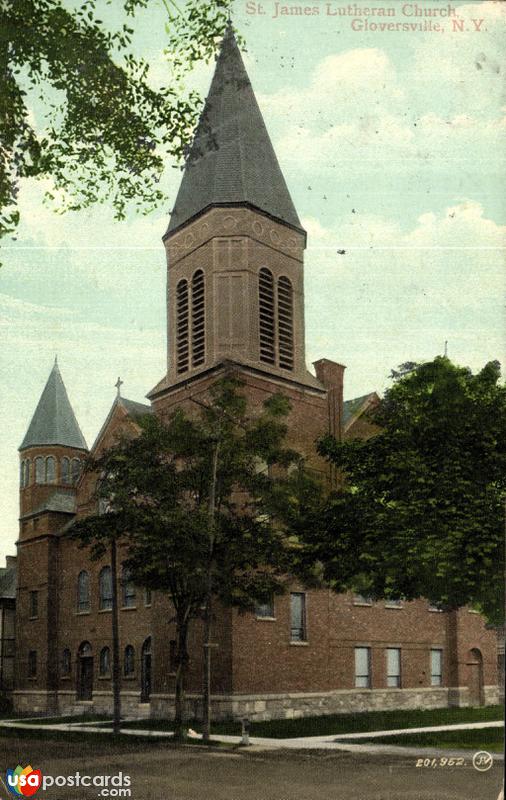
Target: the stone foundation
(65, 703)
(290, 706)
(255, 707)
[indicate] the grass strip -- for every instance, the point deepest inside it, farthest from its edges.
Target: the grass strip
(335, 724)
(490, 739)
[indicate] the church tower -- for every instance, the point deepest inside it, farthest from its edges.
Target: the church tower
(53, 449)
(234, 245)
(51, 457)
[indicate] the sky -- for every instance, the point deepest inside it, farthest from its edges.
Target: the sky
(392, 146)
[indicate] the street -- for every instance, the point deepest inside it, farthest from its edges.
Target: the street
(159, 772)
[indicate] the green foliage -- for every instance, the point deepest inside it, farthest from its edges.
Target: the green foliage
(110, 135)
(157, 487)
(422, 511)
(208, 506)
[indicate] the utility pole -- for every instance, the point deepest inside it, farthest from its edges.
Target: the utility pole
(211, 511)
(116, 690)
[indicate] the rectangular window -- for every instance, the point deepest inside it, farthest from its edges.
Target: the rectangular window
(393, 667)
(436, 667)
(265, 610)
(32, 663)
(128, 589)
(34, 605)
(363, 667)
(362, 600)
(298, 617)
(393, 602)
(147, 597)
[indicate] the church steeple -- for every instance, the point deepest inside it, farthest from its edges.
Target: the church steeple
(54, 421)
(232, 161)
(235, 246)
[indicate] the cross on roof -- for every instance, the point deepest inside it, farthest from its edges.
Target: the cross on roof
(118, 385)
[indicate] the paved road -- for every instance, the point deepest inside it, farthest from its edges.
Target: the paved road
(159, 772)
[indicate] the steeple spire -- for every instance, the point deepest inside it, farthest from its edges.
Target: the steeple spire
(54, 421)
(232, 161)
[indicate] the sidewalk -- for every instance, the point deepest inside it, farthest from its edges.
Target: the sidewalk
(346, 741)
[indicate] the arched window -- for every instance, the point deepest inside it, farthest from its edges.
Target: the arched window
(285, 323)
(24, 477)
(85, 650)
(127, 588)
(182, 327)
(105, 661)
(198, 319)
(76, 470)
(105, 588)
(65, 662)
(40, 470)
(50, 469)
(129, 661)
(83, 591)
(266, 315)
(65, 470)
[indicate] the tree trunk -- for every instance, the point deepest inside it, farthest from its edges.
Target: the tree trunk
(180, 721)
(206, 684)
(116, 672)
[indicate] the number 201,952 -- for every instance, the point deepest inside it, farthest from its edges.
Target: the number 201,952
(440, 762)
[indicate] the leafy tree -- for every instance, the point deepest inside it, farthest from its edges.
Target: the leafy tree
(209, 506)
(107, 136)
(102, 533)
(421, 512)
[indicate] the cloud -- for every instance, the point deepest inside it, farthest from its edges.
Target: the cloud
(466, 65)
(397, 295)
(334, 84)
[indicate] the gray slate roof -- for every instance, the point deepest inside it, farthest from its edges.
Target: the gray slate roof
(54, 421)
(351, 407)
(135, 409)
(232, 160)
(61, 501)
(8, 580)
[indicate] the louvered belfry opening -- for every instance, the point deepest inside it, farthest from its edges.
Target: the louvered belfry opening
(285, 323)
(182, 327)
(266, 315)
(198, 320)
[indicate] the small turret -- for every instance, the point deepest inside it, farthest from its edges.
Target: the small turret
(52, 451)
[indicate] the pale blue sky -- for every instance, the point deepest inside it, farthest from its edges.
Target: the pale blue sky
(392, 145)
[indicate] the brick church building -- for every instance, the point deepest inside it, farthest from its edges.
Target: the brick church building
(235, 254)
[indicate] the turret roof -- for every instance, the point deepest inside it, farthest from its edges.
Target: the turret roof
(54, 421)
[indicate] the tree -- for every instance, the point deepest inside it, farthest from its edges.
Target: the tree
(101, 534)
(106, 135)
(208, 507)
(421, 512)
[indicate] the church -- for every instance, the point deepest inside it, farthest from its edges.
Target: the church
(235, 300)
